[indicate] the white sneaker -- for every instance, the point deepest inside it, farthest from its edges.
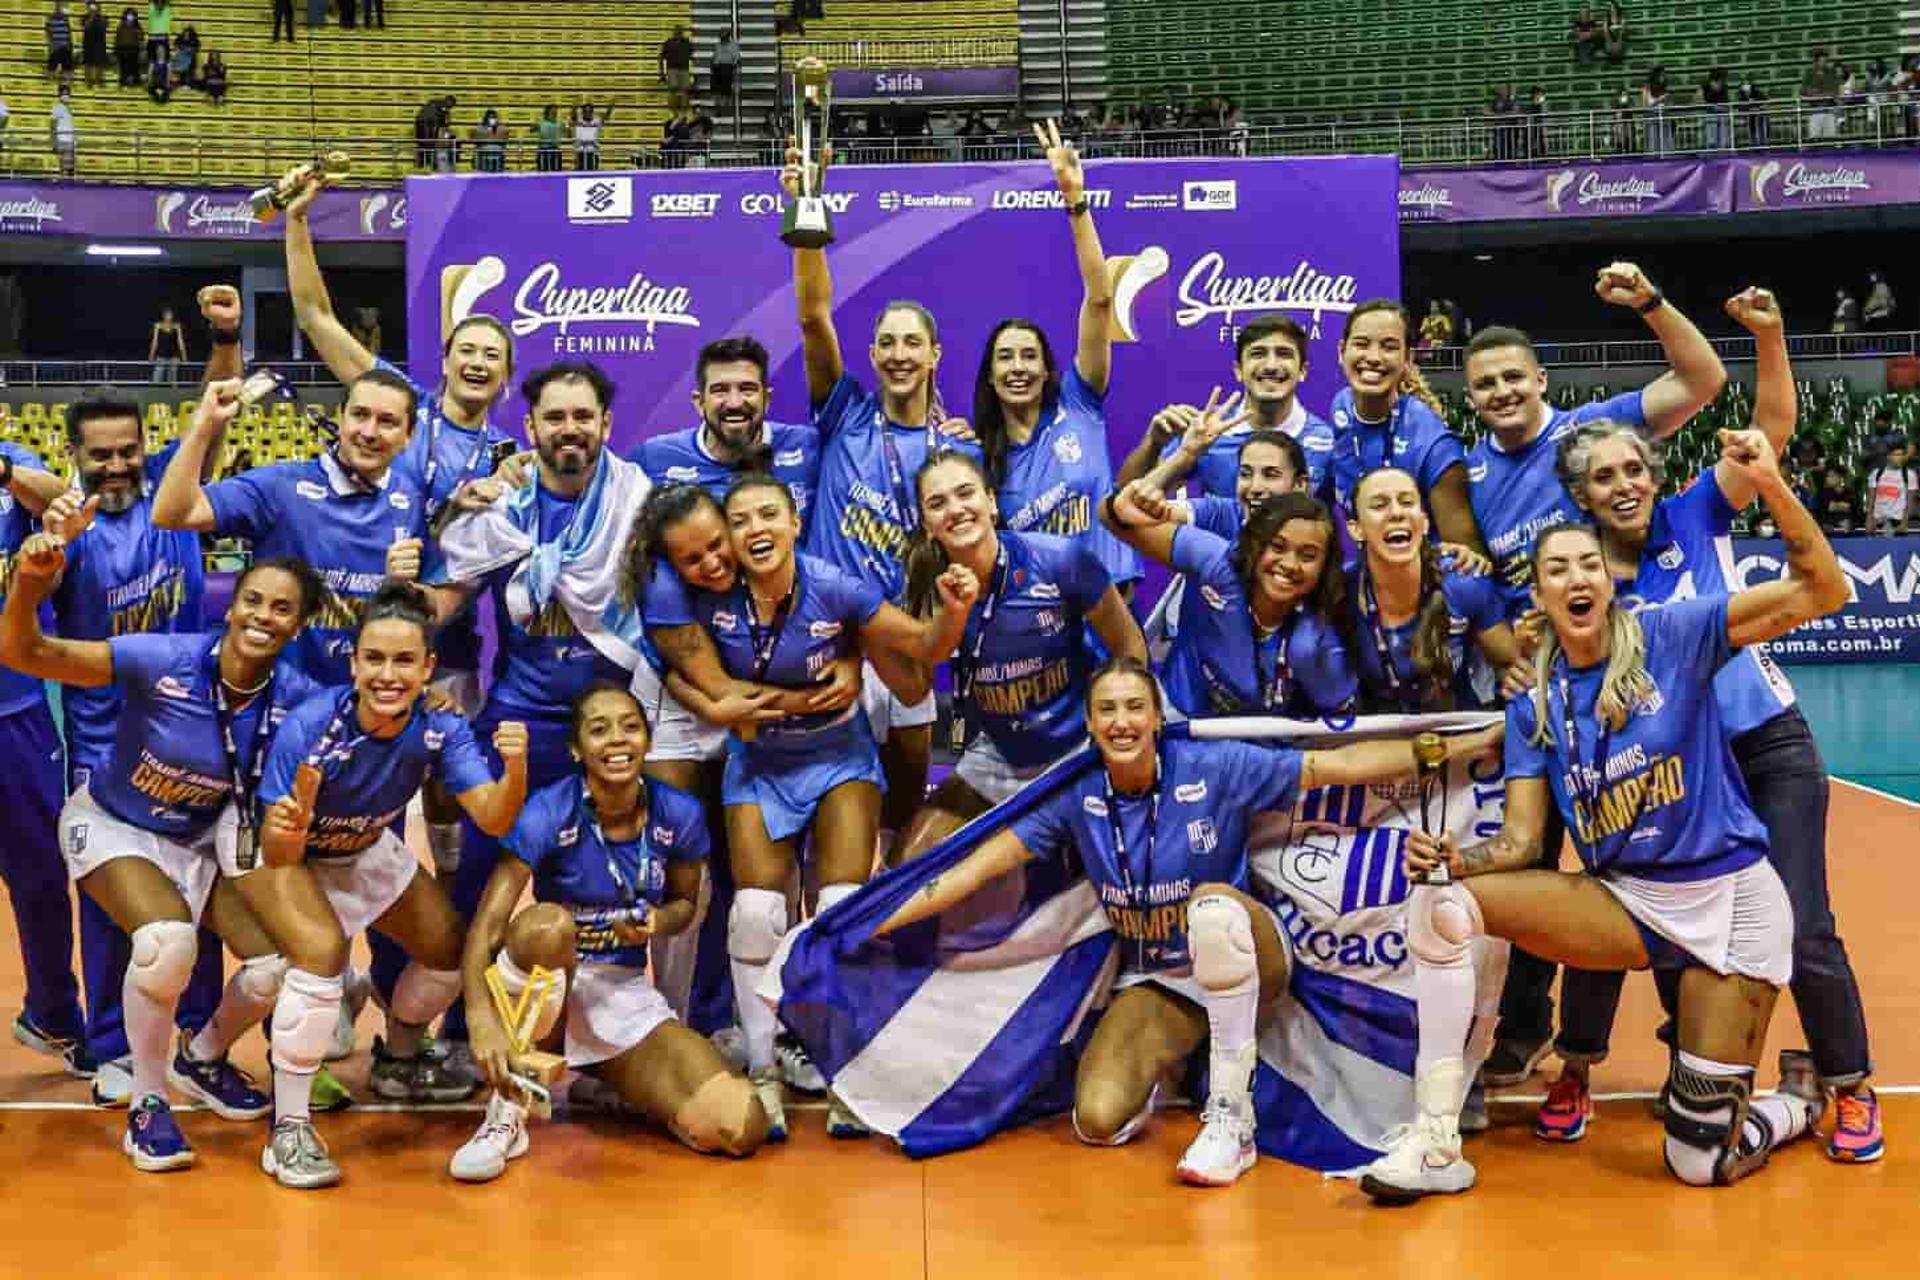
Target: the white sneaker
(772, 1094)
(1224, 1148)
(798, 1069)
(1424, 1158)
(502, 1136)
(352, 1000)
(841, 1122)
(113, 1083)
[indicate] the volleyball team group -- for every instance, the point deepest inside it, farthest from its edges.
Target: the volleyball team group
(712, 712)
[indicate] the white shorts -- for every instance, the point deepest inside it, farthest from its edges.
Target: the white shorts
(675, 733)
(464, 688)
(610, 1009)
(360, 888)
(90, 837)
(982, 767)
(885, 711)
(1739, 925)
(1181, 981)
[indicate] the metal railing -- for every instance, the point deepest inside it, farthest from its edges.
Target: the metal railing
(925, 51)
(16, 373)
(1582, 136)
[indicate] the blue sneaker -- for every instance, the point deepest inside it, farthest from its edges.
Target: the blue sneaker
(72, 1053)
(154, 1139)
(219, 1086)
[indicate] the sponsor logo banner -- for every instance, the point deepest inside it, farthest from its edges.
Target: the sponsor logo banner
(1880, 621)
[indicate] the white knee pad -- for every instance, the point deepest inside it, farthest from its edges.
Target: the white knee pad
(421, 994)
(717, 1117)
(833, 894)
(1442, 922)
(513, 981)
(303, 1020)
(1220, 938)
(756, 924)
(260, 978)
(162, 961)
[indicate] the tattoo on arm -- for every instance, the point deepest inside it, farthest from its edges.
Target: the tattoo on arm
(1504, 852)
(678, 642)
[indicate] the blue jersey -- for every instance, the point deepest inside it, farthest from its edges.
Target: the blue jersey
(1218, 472)
(682, 457)
(445, 455)
(1054, 479)
(1413, 438)
(1219, 666)
(366, 781)
(17, 692)
(1022, 666)
(124, 577)
(1384, 654)
(167, 770)
(1689, 552)
(866, 503)
(1221, 517)
(1516, 495)
(1144, 854)
(575, 866)
(814, 628)
(340, 526)
(1662, 797)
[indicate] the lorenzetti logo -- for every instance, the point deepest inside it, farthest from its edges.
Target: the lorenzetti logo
(1209, 289)
(1589, 189)
(543, 301)
(29, 214)
(233, 217)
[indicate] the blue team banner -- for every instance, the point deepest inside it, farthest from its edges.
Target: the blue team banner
(1881, 623)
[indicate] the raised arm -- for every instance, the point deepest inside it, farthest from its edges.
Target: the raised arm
(1696, 374)
(1140, 516)
(1118, 629)
(1093, 352)
(33, 487)
(1386, 759)
(220, 308)
(997, 855)
(1451, 502)
(1776, 400)
(181, 501)
(813, 290)
(1815, 584)
(926, 640)
(494, 805)
(1169, 424)
(23, 645)
(346, 359)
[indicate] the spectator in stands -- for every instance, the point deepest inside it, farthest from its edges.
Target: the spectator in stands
(159, 31)
(434, 115)
(1893, 494)
(1613, 35)
(282, 13)
(1536, 114)
(316, 14)
(587, 124)
(548, 131)
(1620, 131)
(1880, 93)
(1819, 94)
(348, 13)
(1878, 312)
(1436, 327)
(1753, 111)
(1846, 312)
(676, 68)
(1653, 103)
(59, 40)
(726, 69)
(1883, 437)
(1586, 36)
(1836, 504)
(1503, 111)
(166, 348)
(160, 79)
(213, 80)
(373, 13)
(446, 150)
(186, 56)
(490, 143)
(93, 44)
(366, 329)
(128, 40)
(61, 132)
(1714, 97)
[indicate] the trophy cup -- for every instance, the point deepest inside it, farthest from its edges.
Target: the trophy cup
(807, 224)
(268, 201)
(520, 1015)
(1430, 766)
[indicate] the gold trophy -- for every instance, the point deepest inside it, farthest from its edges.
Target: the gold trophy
(1430, 766)
(807, 224)
(538, 1071)
(270, 200)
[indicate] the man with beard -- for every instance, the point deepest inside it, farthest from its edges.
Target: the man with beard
(550, 551)
(1270, 363)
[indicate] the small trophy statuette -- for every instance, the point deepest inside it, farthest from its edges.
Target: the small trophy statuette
(1430, 766)
(269, 201)
(807, 223)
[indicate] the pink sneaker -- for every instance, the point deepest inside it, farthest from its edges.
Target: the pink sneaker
(1856, 1137)
(1564, 1115)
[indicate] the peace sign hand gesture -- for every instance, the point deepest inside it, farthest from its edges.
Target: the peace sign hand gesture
(1064, 158)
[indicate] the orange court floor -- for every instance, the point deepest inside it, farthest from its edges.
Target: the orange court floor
(600, 1196)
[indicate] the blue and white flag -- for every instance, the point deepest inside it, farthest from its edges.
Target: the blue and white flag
(954, 1028)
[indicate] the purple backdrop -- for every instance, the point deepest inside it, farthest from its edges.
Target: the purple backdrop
(185, 213)
(637, 271)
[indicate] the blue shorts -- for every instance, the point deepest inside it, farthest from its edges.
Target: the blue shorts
(788, 788)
